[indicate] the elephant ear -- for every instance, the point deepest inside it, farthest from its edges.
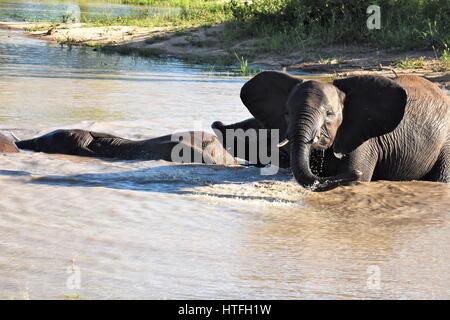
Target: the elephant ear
(265, 96)
(373, 106)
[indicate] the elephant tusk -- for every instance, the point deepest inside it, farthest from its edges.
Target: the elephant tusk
(15, 137)
(339, 155)
(283, 143)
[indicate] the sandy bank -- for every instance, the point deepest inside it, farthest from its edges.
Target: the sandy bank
(204, 45)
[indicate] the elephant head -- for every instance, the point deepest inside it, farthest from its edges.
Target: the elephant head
(316, 115)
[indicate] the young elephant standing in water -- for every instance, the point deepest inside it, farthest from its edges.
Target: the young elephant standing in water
(186, 147)
(369, 127)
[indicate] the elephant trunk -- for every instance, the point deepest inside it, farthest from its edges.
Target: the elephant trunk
(300, 154)
(301, 144)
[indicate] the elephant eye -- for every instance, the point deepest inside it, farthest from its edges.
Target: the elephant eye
(330, 116)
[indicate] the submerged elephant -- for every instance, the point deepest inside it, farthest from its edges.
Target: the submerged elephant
(191, 147)
(368, 127)
(6, 145)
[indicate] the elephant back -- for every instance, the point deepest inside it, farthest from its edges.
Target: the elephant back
(424, 94)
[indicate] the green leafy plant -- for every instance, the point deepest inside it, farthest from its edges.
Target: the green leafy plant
(444, 59)
(411, 63)
(244, 68)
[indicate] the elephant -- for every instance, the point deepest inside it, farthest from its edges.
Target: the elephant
(241, 144)
(6, 145)
(193, 146)
(360, 128)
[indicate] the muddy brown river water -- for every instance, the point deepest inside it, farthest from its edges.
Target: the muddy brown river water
(106, 229)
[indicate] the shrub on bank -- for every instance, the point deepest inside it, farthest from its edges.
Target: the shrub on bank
(404, 23)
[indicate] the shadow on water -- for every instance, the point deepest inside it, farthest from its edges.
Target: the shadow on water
(14, 173)
(179, 178)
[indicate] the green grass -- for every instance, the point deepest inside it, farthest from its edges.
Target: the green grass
(444, 59)
(181, 14)
(191, 13)
(92, 44)
(72, 296)
(244, 67)
(41, 27)
(175, 3)
(411, 63)
(286, 25)
(329, 61)
(69, 41)
(182, 21)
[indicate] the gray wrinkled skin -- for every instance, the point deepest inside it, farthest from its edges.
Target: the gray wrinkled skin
(203, 147)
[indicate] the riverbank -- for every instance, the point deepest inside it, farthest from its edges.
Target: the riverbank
(211, 45)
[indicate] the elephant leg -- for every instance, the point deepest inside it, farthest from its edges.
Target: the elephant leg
(441, 169)
(249, 124)
(364, 159)
(243, 140)
(240, 137)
